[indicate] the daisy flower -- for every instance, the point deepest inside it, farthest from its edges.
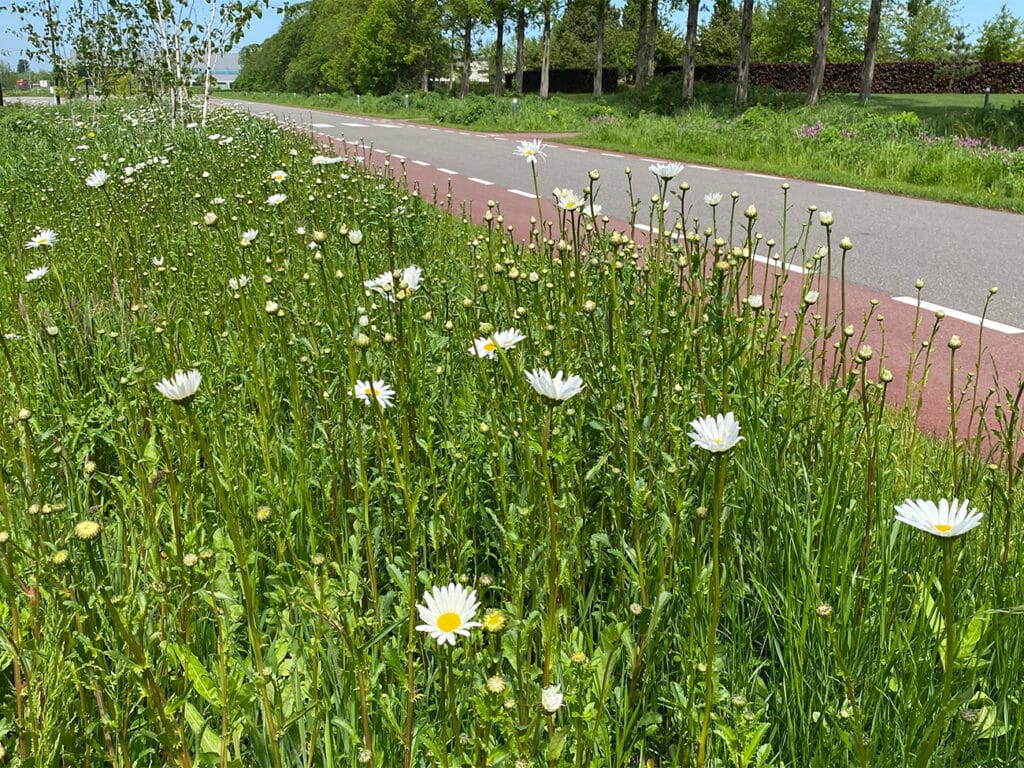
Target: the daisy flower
(97, 178)
(37, 274)
(713, 198)
(248, 236)
(555, 389)
(412, 276)
(276, 199)
(43, 237)
(376, 390)
(448, 612)
(567, 199)
(945, 519)
(278, 176)
(716, 434)
(238, 283)
(666, 171)
(531, 150)
(487, 346)
(181, 387)
(552, 698)
(383, 284)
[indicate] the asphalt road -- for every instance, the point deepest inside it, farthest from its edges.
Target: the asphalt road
(958, 251)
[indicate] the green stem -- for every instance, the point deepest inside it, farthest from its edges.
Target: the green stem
(716, 605)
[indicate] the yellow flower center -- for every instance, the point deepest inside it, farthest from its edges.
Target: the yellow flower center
(490, 346)
(943, 528)
(372, 392)
(449, 622)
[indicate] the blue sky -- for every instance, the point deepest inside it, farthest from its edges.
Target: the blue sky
(972, 14)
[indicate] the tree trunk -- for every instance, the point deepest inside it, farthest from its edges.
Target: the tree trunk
(820, 51)
(520, 47)
(602, 11)
(424, 79)
(467, 58)
(499, 55)
(743, 68)
(545, 62)
(640, 73)
(867, 72)
(652, 38)
(689, 54)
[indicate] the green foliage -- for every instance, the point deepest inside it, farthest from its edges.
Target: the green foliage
(1001, 38)
(786, 32)
(926, 33)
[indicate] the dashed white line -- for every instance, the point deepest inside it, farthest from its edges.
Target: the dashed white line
(837, 186)
(388, 125)
(449, 171)
(481, 181)
(763, 176)
(356, 125)
(648, 160)
(398, 156)
(499, 138)
(992, 325)
(322, 125)
(581, 151)
(611, 154)
(702, 167)
(523, 194)
(466, 133)
(777, 263)
(421, 162)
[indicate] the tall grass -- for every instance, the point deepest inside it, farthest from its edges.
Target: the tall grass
(250, 596)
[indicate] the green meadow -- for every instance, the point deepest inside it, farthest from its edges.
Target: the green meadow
(299, 469)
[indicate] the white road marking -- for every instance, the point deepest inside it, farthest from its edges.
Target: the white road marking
(702, 167)
(581, 151)
(523, 194)
(420, 162)
(387, 125)
(481, 181)
(837, 186)
(763, 176)
(777, 263)
(322, 125)
(397, 156)
(611, 154)
(644, 227)
(449, 171)
(466, 133)
(356, 125)
(648, 160)
(992, 325)
(499, 138)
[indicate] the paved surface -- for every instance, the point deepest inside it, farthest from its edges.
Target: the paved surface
(959, 251)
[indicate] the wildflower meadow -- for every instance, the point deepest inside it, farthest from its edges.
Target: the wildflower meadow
(300, 466)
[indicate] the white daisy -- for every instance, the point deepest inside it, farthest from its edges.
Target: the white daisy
(238, 283)
(97, 178)
(552, 698)
(181, 387)
(531, 150)
(248, 236)
(666, 171)
(945, 519)
(487, 346)
(278, 176)
(412, 276)
(383, 284)
(567, 199)
(556, 389)
(716, 434)
(37, 274)
(376, 390)
(713, 198)
(43, 237)
(276, 199)
(448, 612)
